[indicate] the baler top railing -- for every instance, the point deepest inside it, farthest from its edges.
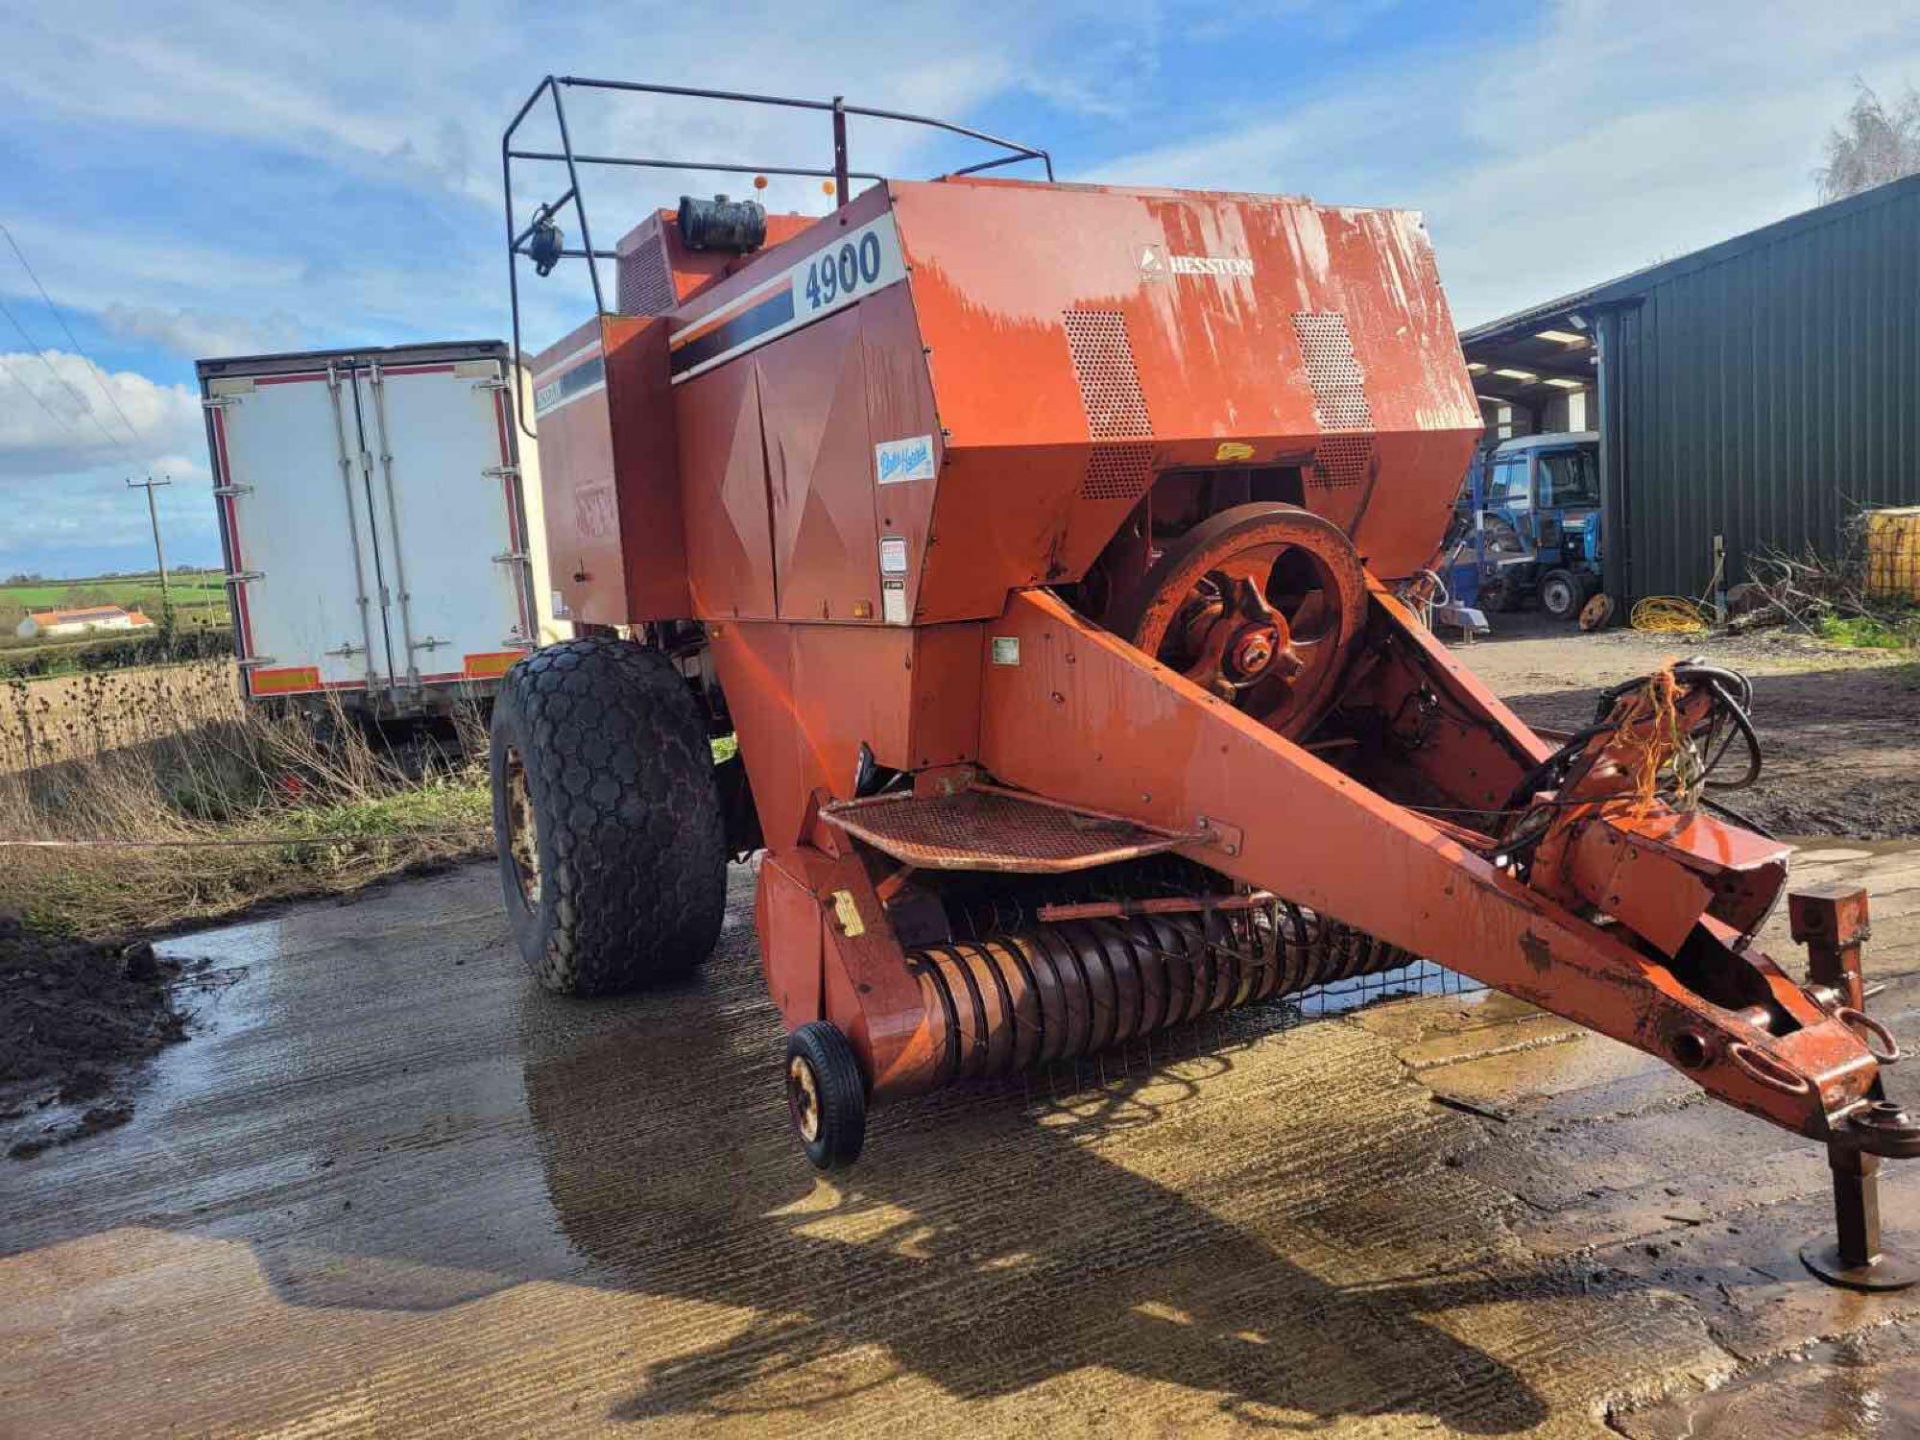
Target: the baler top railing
(839, 173)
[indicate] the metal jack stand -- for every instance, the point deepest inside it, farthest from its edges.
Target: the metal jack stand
(1831, 921)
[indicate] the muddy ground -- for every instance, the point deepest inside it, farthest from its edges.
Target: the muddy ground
(391, 1188)
(76, 1018)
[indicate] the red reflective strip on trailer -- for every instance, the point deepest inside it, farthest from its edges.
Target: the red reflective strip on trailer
(442, 677)
(303, 378)
(239, 590)
(515, 543)
(286, 680)
(416, 369)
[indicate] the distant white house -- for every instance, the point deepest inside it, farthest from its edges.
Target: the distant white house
(52, 624)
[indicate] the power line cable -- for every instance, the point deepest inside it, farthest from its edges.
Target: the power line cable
(93, 368)
(78, 398)
(34, 395)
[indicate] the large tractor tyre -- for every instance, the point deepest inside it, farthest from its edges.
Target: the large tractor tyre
(1561, 595)
(613, 854)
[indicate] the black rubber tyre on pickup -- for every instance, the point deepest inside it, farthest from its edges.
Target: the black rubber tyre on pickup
(613, 854)
(826, 1095)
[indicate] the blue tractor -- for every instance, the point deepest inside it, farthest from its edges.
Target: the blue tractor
(1530, 524)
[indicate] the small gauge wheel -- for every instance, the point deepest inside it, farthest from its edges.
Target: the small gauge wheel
(826, 1095)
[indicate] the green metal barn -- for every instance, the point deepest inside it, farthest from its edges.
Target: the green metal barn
(1753, 394)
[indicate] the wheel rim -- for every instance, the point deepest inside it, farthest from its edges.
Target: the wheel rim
(1259, 611)
(803, 1098)
(1558, 598)
(523, 829)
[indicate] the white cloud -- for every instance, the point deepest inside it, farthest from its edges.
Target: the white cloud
(199, 334)
(63, 496)
(1616, 136)
(422, 95)
(60, 415)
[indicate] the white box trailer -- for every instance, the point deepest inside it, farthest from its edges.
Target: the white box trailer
(380, 522)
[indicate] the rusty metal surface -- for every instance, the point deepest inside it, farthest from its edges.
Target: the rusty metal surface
(1062, 990)
(1260, 605)
(991, 829)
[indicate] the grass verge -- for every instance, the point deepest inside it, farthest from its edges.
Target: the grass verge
(1872, 632)
(216, 818)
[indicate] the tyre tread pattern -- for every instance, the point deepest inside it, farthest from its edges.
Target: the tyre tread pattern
(843, 1094)
(633, 846)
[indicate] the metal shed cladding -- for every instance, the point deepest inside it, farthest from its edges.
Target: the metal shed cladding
(1760, 390)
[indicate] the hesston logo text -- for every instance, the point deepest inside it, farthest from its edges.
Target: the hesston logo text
(1155, 261)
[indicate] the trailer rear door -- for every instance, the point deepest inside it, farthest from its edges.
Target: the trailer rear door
(297, 526)
(448, 518)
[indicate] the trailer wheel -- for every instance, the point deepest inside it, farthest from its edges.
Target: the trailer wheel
(612, 848)
(826, 1095)
(1560, 594)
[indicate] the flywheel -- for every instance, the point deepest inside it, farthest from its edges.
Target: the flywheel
(1260, 605)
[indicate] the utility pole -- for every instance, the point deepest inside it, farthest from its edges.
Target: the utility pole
(159, 552)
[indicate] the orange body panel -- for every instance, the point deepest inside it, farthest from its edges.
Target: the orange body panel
(613, 511)
(1192, 317)
(1086, 718)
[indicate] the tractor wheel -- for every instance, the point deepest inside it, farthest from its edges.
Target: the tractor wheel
(826, 1095)
(1500, 596)
(612, 848)
(1560, 594)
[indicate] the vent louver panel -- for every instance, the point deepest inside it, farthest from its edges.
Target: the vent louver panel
(1340, 401)
(1120, 466)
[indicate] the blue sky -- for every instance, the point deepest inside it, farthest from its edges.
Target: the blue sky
(198, 179)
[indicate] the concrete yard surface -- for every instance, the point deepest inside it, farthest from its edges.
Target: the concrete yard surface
(392, 1188)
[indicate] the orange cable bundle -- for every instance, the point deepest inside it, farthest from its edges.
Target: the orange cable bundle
(1652, 747)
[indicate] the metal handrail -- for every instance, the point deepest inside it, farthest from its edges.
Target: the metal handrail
(840, 174)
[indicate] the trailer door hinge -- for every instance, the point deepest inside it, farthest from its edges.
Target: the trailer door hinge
(348, 650)
(510, 557)
(501, 472)
(432, 642)
(220, 402)
(518, 642)
(233, 489)
(255, 661)
(241, 577)
(496, 383)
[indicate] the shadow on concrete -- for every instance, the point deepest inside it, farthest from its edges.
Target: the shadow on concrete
(978, 1245)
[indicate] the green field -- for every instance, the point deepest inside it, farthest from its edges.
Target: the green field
(197, 595)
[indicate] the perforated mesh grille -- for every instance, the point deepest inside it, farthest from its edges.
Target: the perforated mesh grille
(1339, 399)
(1340, 460)
(1117, 472)
(1116, 410)
(989, 830)
(1109, 383)
(1339, 389)
(643, 285)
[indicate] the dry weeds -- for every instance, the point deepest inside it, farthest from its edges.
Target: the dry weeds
(204, 818)
(69, 717)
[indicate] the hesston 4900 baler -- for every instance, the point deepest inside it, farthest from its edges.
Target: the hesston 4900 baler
(1045, 548)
